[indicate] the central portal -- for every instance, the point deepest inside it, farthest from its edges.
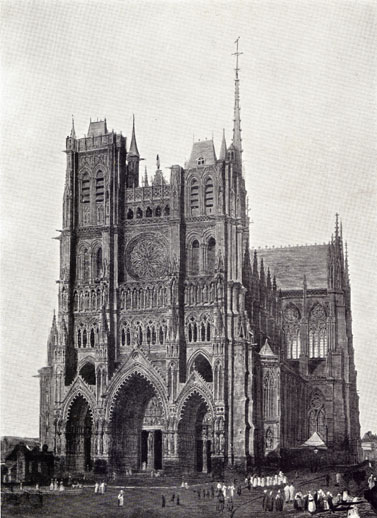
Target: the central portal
(151, 449)
(137, 424)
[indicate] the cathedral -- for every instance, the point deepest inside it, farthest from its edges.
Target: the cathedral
(177, 347)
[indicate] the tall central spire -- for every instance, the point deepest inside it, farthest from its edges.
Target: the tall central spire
(237, 139)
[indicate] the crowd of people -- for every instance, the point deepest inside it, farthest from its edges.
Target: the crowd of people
(55, 485)
(100, 488)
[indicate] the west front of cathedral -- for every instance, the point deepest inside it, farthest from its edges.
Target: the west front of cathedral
(174, 346)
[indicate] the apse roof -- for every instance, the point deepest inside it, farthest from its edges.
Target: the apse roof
(290, 264)
(203, 149)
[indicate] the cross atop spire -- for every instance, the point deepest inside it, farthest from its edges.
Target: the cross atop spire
(237, 140)
(237, 53)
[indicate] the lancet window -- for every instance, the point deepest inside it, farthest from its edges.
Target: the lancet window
(194, 197)
(317, 416)
(269, 395)
(100, 187)
(208, 196)
(317, 332)
(292, 332)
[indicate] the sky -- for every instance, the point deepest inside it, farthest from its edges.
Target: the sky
(308, 110)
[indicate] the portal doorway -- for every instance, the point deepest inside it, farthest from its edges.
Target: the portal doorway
(79, 436)
(137, 421)
(195, 436)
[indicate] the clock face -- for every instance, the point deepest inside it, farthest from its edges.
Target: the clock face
(147, 257)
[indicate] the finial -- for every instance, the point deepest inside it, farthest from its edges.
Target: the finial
(145, 177)
(336, 225)
(223, 147)
(158, 162)
(73, 132)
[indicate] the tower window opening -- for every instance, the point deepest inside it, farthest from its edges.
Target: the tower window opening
(100, 187)
(166, 210)
(211, 255)
(203, 332)
(128, 336)
(200, 161)
(195, 258)
(84, 338)
(148, 212)
(92, 340)
(85, 189)
(194, 197)
(123, 338)
(158, 211)
(79, 338)
(208, 196)
(139, 213)
(99, 263)
(130, 214)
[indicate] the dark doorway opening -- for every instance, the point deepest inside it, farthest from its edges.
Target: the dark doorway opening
(144, 447)
(209, 464)
(199, 456)
(157, 449)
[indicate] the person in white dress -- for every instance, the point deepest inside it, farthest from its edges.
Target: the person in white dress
(291, 492)
(121, 498)
(286, 493)
(51, 485)
(56, 484)
(102, 488)
(61, 487)
(311, 504)
(96, 488)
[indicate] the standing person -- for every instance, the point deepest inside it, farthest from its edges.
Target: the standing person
(270, 502)
(102, 488)
(291, 492)
(56, 484)
(338, 479)
(311, 504)
(51, 485)
(212, 491)
(121, 498)
(61, 487)
(278, 502)
(177, 500)
(327, 479)
(96, 488)
(163, 501)
(298, 502)
(264, 500)
(221, 501)
(286, 493)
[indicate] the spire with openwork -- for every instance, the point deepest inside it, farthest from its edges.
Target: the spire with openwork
(237, 139)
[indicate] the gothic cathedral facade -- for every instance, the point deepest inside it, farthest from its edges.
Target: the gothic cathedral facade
(172, 347)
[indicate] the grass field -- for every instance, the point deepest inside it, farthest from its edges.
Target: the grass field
(146, 502)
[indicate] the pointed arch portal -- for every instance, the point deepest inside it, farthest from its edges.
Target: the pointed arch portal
(79, 436)
(195, 435)
(137, 427)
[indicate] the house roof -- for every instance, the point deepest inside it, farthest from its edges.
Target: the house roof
(203, 149)
(290, 264)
